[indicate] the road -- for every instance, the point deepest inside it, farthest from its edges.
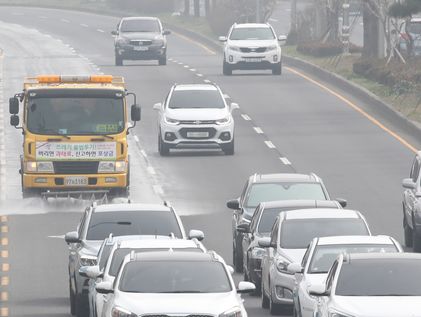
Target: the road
(315, 127)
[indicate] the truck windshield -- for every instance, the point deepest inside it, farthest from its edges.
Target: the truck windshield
(75, 115)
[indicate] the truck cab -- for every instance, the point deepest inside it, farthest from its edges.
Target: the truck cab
(74, 135)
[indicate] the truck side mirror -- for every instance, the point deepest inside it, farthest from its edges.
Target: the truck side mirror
(14, 105)
(14, 120)
(135, 113)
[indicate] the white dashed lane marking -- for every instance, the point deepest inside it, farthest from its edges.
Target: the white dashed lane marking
(84, 25)
(270, 145)
(199, 75)
(151, 170)
(192, 69)
(246, 117)
(158, 189)
(258, 130)
(207, 81)
(285, 160)
(65, 21)
(100, 30)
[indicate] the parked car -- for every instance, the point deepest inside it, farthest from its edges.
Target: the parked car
(371, 284)
(411, 203)
(140, 38)
(195, 115)
(174, 284)
(291, 234)
(252, 46)
(271, 187)
(261, 225)
(411, 31)
(119, 248)
(319, 257)
(98, 222)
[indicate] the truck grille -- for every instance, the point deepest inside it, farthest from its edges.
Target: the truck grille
(76, 167)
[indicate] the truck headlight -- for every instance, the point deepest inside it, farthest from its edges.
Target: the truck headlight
(111, 166)
(121, 312)
(88, 260)
(233, 312)
(257, 253)
(120, 166)
(40, 167)
(222, 121)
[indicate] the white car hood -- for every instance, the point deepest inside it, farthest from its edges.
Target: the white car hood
(294, 255)
(197, 114)
(252, 43)
(183, 304)
(382, 306)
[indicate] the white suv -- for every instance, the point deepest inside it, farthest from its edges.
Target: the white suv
(252, 46)
(195, 115)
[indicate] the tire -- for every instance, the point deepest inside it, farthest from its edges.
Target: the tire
(118, 60)
(82, 307)
(407, 233)
(30, 193)
(72, 300)
(163, 148)
(416, 241)
(162, 60)
(228, 148)
(277, 69)
(245, 277)
(265, 299)
(226, 69)
(237, 257)
(274, 309)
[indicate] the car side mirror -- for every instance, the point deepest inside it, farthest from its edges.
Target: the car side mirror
(83, 271)
(233, 204)
(14, 120)
(72, 237)
(234, 106)
(408, 183)
(230, 269)
(222, 39)
(14, 105)
(342, 202)
(243, 227)
(246, 287)
(282, 39)
(264, 242)
(157, 106)
(92, 272)
(166, 32)
(196, 234)
(317, 290)
(135, 113)
(114, 33)
(294, 268)
(104, 288)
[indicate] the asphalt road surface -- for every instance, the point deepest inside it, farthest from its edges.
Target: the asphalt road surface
(305, 126)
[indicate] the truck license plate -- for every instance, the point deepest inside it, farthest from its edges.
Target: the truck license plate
(197, 134)
(140, 48)
(75, 181)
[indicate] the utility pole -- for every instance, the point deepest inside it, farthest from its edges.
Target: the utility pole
(258, 11)
(293, 26)
(345, 27)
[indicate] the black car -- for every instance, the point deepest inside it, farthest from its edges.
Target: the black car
(261, 225)
(271, 187)
(140, 38)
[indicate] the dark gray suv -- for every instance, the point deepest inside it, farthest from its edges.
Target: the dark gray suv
(140, 38)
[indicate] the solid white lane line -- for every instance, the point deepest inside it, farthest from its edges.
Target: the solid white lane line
(258, 130)
(100, 30)
(285, 160)
(246, 117)
(270, 145)
(84, 25)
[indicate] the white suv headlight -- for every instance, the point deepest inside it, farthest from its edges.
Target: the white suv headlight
(111, 166)
(171, 121)
(233, 312)
(257, 253)
(88, 260)
(222, 121)
(234, 48)
(121, 312)
(272, 47)
(40, 167)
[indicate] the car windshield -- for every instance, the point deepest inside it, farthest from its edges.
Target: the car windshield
(103, 255)
(140, 25)
(297, 233)
(119, 254)
(414, 28)
(265, 192)
(174, 277)
(380, 277)
(325, 255)
(75, 115)
(123, 223)
(263, 33)
(196, 99)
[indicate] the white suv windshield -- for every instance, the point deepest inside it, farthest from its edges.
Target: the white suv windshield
(196, 99)
(252, 34)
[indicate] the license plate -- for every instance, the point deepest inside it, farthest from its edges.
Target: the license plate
(140, 48)
(75, 181)
(197, 134)
(253, 60)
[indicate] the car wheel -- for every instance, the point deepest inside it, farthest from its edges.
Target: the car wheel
(82, 309)
(228, 148)
(163, 148)
(29, 193)
(416, 241)
(226, 69)
(245, 277)
(238, 257)
(277, 69)
(265, 299)
(407, 233)
(72, 300)
(274, 309)
(162, 60)
(118, 60)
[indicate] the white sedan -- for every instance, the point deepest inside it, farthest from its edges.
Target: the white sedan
(371, 285)
(320, 256)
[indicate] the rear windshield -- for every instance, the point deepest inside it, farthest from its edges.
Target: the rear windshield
(123, 223)
(140, 26)
(196, 99)
(297, 233)
(385, 277)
